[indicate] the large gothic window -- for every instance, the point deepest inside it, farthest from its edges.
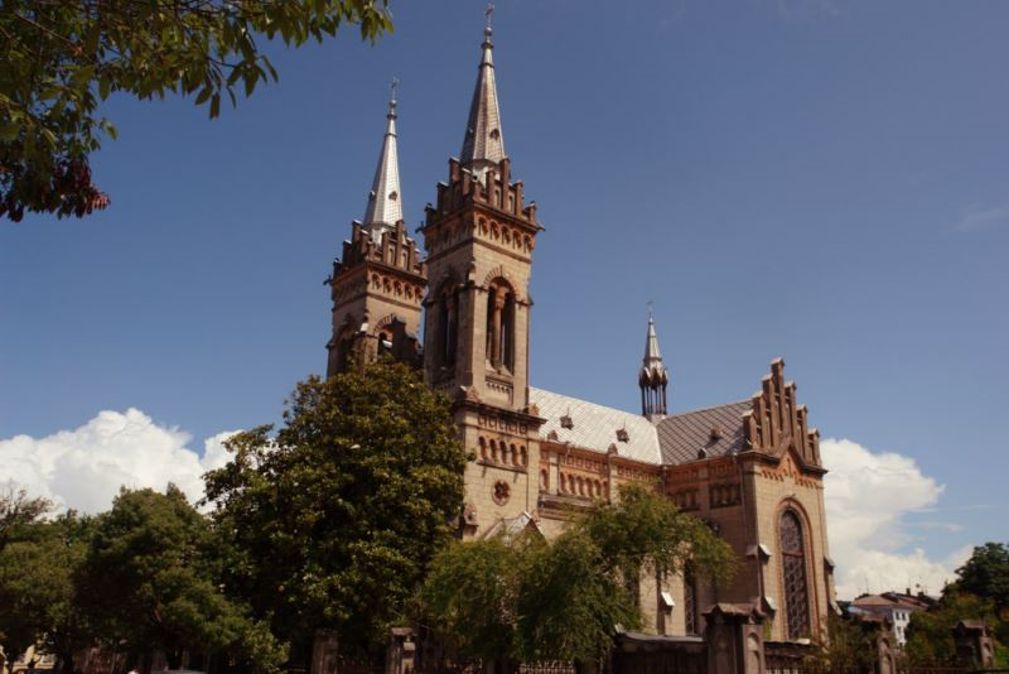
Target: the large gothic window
(793, 562)
(500, 327)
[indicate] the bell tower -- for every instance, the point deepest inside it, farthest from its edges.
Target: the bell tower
(479, 238)
(378, 283)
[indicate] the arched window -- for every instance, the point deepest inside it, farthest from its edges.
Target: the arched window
(500, 326)
(793, 563)
(448, 324)
(384, 344)
(690, 600)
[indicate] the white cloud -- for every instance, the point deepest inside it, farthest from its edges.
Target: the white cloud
(85, 467)
(975, 218)
(867, 497)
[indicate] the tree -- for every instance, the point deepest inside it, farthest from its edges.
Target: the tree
(60, 59)
(18, 511)
(930, 633)
(37, 589)
(333, 522)
(526, 600)
(986, 574)
(151, 582)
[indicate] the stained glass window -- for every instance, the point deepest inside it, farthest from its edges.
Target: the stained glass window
(793, 561)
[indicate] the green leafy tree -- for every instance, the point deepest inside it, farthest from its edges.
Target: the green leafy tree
(562, 600)
(150, 582)
(37, 588)
(930, 633)
(17, 512)
(59, 60)
(332, 522)
(986, 574)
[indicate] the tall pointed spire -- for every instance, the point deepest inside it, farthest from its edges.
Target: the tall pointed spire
(483, 145)
(653, 377)
(385, 206)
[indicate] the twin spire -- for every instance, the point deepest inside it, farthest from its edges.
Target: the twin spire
(385, 205)
(483, 144)
(482, 147)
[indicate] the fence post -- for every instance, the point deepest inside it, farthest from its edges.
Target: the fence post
(734, 639)
(974, 647)
(324, 652)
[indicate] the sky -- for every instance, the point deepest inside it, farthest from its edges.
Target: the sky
(821, 180)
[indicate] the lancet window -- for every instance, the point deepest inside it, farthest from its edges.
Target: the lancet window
(793, 562)
(448, 324)
(501, 325)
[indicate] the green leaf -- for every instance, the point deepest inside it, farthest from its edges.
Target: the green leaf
(215, 106)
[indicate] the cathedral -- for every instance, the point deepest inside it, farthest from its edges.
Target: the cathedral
(749, 468)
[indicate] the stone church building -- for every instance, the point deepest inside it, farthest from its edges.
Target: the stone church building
(750, 468)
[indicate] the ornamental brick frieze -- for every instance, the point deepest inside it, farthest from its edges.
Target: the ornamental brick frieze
(583, 486)
(501, 452)
(777, 422)
(505, 236)
(589, 465)
(686, 499)
(788, 471)
(724, 495)
(498, 423)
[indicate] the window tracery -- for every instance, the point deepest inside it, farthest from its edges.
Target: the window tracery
(793, 562)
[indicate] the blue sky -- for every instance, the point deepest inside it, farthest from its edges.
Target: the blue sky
(827, 181)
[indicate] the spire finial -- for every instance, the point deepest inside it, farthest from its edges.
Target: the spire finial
(393, 88)
(653, 376)
(488, 13)
(650, 304)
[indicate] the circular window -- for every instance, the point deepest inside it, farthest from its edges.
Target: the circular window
(501, 492)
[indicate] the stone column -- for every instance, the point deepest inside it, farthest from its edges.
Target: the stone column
(399, 657)
(974, 648)
(734, 638)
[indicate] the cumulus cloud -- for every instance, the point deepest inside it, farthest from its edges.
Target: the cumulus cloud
(976, 218)
(868, 496)
(84, 468)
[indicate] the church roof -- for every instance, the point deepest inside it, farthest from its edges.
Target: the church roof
(717, 430)
(596, 427)
(672, 440)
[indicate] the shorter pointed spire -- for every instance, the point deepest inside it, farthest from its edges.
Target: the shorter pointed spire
(653, 377)
(385, 206)
(483, 144)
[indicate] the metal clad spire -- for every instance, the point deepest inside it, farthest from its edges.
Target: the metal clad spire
(385, 205)
(483, 144)
(653, 377)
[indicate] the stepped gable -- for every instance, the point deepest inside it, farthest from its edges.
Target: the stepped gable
(595, 427)
(718, 431)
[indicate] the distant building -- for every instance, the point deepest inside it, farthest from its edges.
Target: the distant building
(751, 468)
(897, 607)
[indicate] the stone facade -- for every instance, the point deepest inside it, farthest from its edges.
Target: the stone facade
(751, 469)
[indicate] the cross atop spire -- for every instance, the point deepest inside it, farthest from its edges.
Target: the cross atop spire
(385, 207)
(483, 145)
(653, 377)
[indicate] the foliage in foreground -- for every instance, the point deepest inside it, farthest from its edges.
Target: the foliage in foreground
(58, 60)
(528, 599)
(150, 582)
(333, 522)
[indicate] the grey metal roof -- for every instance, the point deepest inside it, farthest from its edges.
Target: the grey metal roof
(484, 140)
(595, 426)
(716, 430)
(385, 201)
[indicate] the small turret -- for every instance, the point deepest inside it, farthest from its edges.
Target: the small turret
(653, 377)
